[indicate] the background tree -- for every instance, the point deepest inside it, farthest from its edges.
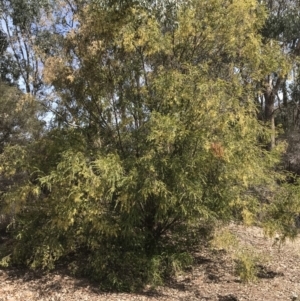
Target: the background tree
(20, 122)
(282, 27)
(278, 94)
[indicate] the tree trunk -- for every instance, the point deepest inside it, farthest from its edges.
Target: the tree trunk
(270, 92)
(269, 114)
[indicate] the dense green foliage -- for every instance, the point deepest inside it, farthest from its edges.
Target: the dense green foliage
(156, 137)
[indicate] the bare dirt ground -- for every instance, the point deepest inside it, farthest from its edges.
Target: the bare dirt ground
(212, 278)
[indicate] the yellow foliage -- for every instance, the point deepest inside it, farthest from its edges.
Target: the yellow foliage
(172, 104)
(54, 67)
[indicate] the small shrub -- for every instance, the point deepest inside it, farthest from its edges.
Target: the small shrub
(224, 239)
(244, 257)
(246, 263)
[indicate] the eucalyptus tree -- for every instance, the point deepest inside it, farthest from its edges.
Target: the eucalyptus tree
(32, 30)
(21, 114)
(280, 87)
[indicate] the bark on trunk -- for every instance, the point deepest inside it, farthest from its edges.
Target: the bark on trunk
(270, 93)
(269, 115)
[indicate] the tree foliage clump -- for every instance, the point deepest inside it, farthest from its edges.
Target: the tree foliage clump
(164, 142)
